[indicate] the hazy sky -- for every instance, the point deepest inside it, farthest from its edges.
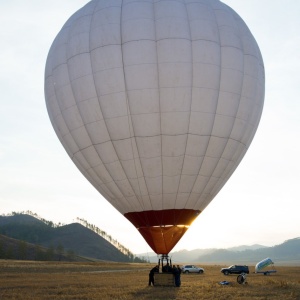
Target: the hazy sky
(259, 204)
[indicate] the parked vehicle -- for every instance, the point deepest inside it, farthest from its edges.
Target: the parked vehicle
(235, 269)
(191, 269)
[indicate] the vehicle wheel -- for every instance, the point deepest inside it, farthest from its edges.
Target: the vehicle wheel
(226, 273)
(200, 272)
(186, 272)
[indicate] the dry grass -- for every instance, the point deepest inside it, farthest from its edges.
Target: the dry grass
(52, 280)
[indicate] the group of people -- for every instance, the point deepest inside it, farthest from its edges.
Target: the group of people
(176, 271)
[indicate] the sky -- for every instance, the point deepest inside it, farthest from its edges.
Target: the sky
(259, 204)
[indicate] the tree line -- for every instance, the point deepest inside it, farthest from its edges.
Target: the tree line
(109, 238)
(24, 251)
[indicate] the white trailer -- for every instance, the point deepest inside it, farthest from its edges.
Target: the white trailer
(263, 264)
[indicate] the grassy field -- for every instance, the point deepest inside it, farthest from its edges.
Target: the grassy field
(53, 280)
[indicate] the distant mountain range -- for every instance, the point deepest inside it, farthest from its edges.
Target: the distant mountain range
(24, 236)
(72, 242)
(286, 253)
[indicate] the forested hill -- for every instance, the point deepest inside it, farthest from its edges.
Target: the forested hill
(72, 238)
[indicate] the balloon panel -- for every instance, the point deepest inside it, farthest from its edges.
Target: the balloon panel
(156, 103)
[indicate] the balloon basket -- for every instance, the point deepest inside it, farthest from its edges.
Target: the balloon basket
(165, 277)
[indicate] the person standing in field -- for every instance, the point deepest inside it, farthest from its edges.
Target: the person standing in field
(179, 273)
(176, 276)
(151, 275)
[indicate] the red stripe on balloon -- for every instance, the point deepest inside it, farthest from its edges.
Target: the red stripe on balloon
(165, 217)
(162, 229)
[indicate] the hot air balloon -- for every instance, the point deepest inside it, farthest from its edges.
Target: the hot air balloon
(156, 103)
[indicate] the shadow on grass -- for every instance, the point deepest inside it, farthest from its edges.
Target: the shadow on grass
(156, 292)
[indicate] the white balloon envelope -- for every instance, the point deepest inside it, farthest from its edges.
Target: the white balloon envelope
(263, 264)
(156, 102)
